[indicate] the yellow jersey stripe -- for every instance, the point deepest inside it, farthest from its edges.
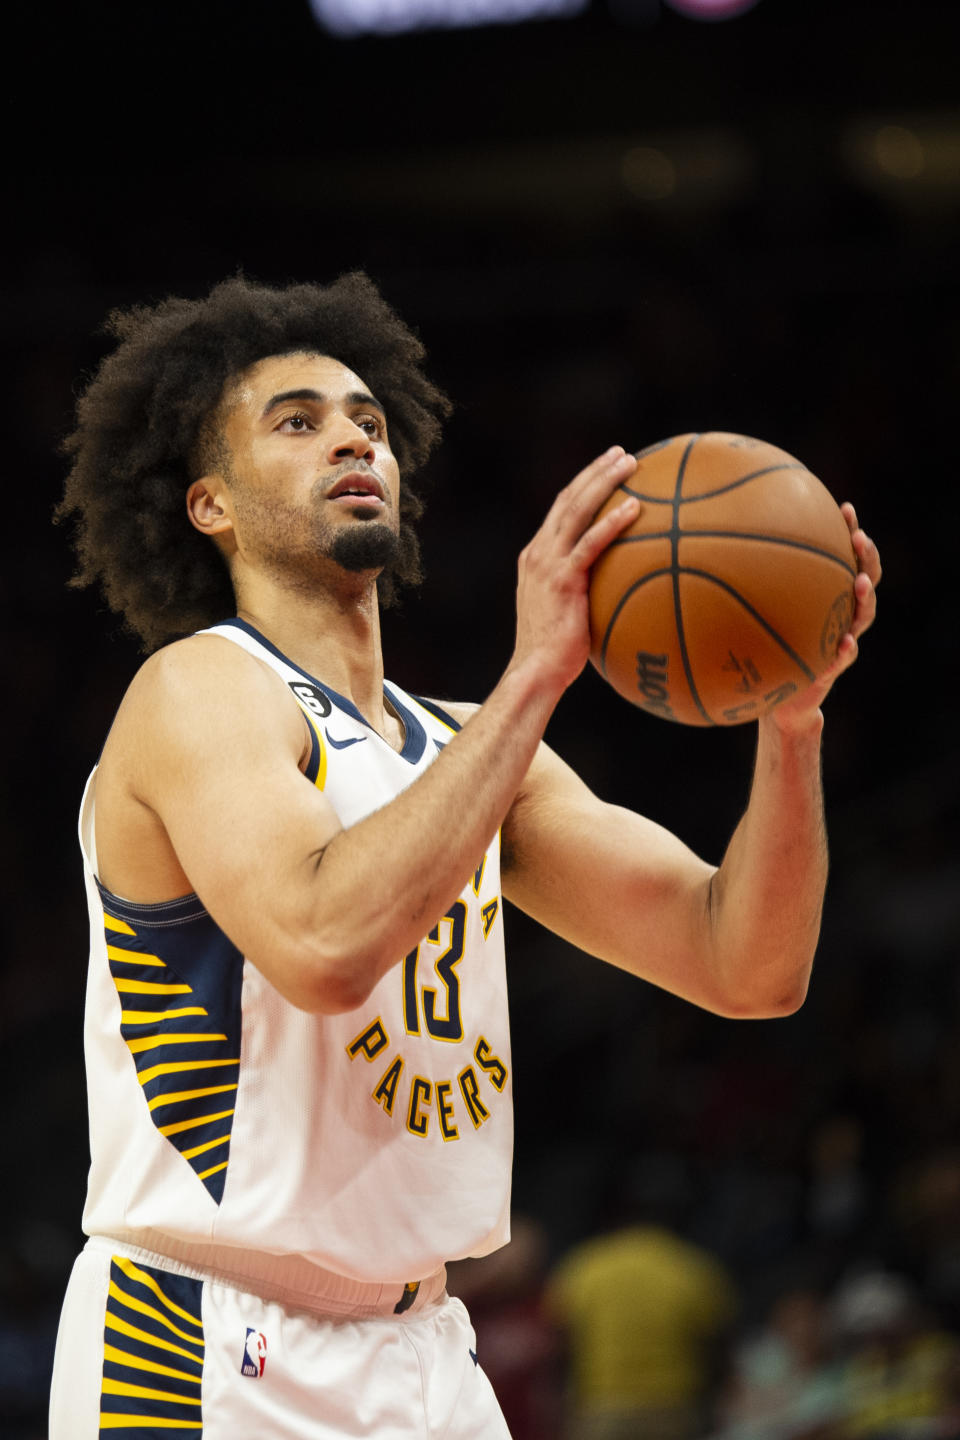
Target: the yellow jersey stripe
(133, 1272)
(154, 1042)
(175, 1067)
(179, 1126)
(146, 1017)
(439, 720)
(207, 1145)
(151, 1422)
(136, 1362)
(133, 957)
(148, 987)
(143, 1392)
(160, 1100)
(321, 779)
(113, 1322)
(213, 1170)
(142, 1308)
(111, 922)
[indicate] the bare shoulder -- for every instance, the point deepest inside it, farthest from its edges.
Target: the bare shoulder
(197, 715)
(203, 692)
(208, 673)
(204, 664)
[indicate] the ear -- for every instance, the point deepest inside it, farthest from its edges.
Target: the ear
(208, 507)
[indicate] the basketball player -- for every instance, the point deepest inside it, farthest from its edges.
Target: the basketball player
(296, 1032)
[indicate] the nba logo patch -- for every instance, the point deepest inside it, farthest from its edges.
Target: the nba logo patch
(254, 1354)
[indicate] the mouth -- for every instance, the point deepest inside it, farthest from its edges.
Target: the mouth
(359, 488)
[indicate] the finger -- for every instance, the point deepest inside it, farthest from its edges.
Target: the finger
(865, 550)
(596, 467)
(579, 503)
(868, 556)
(595, 540)
(847, 652)
(809, 700)
(865, 604)
(586, 476)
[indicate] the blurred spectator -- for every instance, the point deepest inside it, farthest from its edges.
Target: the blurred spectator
(866, 1362)
(783, 1384)
(837, 1198)
(645, 1314)
(926, 1210)
(900, 1372)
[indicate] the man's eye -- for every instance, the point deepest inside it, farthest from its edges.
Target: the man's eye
(297, 423)
(371, 424)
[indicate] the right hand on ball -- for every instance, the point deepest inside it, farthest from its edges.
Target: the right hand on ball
(553, 628)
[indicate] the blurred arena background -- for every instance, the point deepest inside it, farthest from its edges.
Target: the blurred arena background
(610, 223)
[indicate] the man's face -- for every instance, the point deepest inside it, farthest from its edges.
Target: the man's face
(313, 478)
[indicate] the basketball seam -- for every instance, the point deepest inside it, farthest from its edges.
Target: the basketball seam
(653, 575)
(709, 494)
(743, 480)
(736, 535)
(675, 536)
(741, 600)
(650, 499)
(702, 575)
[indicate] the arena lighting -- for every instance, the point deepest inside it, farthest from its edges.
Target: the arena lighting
(393, 17)
(912, 160)
(711, 9)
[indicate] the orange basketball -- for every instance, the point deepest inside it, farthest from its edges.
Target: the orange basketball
(732, 588)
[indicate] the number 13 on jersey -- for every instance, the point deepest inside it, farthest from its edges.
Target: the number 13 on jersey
(441, 1019)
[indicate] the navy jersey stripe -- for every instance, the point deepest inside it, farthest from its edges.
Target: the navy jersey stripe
(152, 1352)
(179, 984)
(438, 712)
(415, 737)
(161, 912)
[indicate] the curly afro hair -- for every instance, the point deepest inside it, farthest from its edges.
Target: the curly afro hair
(146, 425)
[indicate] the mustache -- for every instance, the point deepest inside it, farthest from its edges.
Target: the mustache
(361, 469)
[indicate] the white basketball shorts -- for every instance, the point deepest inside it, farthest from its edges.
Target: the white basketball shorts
(151, 1352)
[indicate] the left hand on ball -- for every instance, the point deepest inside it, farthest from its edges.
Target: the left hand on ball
(803, 710)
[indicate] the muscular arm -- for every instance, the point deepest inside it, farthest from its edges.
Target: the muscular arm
(738, 939)
(323, 911)
(206, 752)
(208, 745)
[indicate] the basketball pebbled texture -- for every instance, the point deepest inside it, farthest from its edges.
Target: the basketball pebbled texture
(732, 588)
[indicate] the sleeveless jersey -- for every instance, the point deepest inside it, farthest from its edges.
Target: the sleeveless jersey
(376, 1144)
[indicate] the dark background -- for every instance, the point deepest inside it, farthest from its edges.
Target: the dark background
(604, 232)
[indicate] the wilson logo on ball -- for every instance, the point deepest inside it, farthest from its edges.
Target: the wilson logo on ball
(652, 682)
(731, 589)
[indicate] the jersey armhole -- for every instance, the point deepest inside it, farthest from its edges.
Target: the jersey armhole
(438, 712)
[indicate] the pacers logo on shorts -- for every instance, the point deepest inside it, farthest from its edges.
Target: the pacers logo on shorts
(254, 1354)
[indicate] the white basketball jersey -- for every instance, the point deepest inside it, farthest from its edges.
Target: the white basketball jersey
(376, 1144)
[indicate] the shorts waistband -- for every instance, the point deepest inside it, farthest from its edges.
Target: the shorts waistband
(287, 1279)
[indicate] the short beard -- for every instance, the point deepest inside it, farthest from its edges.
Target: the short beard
(370, 546)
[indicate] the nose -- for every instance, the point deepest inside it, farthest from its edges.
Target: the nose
(348, 441)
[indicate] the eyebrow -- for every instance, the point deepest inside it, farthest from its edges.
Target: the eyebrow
(355, 397)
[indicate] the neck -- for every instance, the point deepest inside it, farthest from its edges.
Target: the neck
(334, 635)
